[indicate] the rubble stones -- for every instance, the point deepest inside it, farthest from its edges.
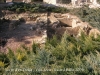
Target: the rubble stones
(59, 22)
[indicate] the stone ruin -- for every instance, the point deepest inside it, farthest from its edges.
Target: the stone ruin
(58, 24)
(72, 25)
(41, 27)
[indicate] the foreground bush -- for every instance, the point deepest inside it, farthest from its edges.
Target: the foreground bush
(69, 56)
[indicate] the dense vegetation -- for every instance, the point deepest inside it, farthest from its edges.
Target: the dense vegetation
(78, 56)
(34, 8)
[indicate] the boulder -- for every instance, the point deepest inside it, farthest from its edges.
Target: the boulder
(73, 31)
(74, 23)
(41, 19)
(94, 32)
(66, 15)
(66, 22)
(58, 15)
(60, 31)
(53, 19)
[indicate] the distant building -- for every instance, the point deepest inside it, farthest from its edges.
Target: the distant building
(73, 2)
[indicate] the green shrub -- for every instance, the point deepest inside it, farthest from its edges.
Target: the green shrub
(23, 7)
(76, 55)
(4, 59)
(20, 10)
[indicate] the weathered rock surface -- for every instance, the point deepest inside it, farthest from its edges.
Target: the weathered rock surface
(72, 25)
(66, 22)
(36, 24)
(53, 19)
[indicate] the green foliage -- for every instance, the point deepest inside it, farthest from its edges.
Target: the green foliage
(57, 9)
(34, 8)
(42, 59)
(20, 10)
(71, 51)
(4, 59)
(4, 62)
(74, 55)
(93, 62)
(34, 48)
(53, 41)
